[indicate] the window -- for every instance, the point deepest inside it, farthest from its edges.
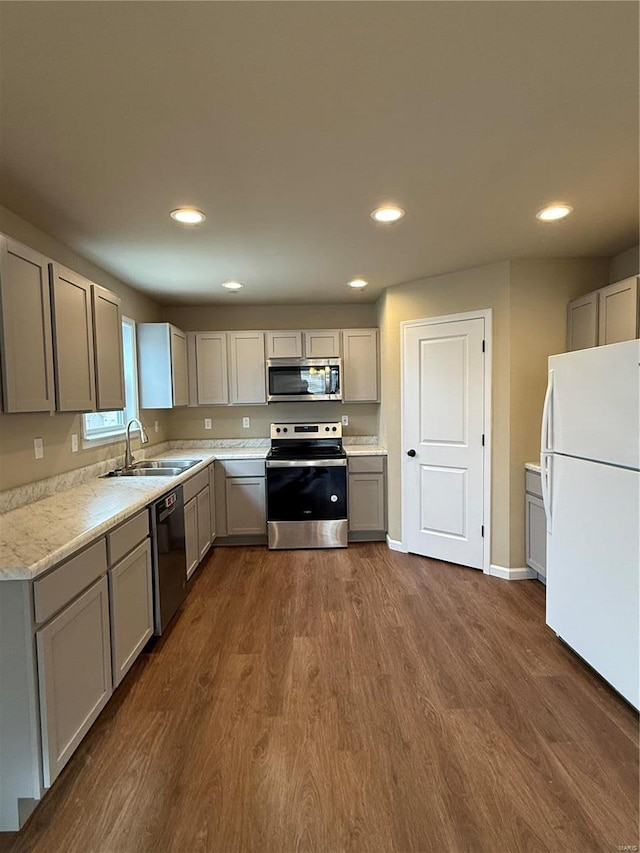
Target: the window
(102, 427)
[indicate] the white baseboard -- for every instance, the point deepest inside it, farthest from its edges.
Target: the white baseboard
(396, 545)
(523, 574)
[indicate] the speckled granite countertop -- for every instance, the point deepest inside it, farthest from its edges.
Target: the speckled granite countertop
(532, 466)
(35, 537)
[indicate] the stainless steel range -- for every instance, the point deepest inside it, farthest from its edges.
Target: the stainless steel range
(307, 486)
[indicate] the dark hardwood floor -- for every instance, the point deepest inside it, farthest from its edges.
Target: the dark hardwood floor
(358, 700)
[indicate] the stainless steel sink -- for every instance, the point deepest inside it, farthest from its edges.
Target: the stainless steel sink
(154, 468)
(182, 464)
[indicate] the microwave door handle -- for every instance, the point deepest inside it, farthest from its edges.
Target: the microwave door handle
(327, 380)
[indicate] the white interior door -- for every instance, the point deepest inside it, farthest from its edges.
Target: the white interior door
(443, 443)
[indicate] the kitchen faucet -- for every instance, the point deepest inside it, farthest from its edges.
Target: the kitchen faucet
(128, 456)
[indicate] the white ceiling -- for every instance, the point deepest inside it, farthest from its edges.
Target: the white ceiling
(289, 122)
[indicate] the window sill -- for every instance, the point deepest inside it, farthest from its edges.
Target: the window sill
(107, 438)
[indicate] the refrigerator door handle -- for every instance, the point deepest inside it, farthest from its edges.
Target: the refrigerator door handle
(546, 435)
(546, 469)
(546, 449)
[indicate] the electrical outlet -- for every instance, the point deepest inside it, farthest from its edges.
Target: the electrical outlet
(74, 443)
(38, 447)
(207, 423)
(156, 426)
(246, 423)
(345, 420)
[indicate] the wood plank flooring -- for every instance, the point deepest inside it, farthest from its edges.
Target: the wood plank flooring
(357, 700)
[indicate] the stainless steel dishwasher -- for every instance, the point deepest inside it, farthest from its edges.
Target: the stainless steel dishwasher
(169, 557)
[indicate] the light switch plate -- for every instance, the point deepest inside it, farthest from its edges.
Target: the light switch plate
(207, 423)
(345, 420)
(246, 423)
(38, 447)
(74, 443)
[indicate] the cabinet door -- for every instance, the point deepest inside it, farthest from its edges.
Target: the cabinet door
(284, 344)
(246, 509)
(366, 502)
(360, 365)
(211, 369)
(322, 344)
(74, 673)
(179, 374)
(618, 312)
(204, 522)
(131, 598)
(107, 337)
(536, 535)
(191, 535)
(247, 381)
(582, 322)
(212, 501)
(25, 330)
(72, 341)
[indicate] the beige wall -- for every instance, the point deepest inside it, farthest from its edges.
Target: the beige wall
(528, 301)
(210, 318)
(625, 265)
(17, 431)
(540, 291)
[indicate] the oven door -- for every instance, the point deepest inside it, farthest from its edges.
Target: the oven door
(306, 490)
(307, 503)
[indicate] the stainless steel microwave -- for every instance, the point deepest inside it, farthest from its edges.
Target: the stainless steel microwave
(296, 379)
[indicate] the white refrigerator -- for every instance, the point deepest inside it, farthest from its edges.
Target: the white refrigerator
(590, 459)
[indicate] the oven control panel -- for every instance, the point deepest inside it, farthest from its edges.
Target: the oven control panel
(322, 429)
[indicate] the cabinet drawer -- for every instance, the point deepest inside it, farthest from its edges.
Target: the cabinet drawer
(124, 538)
(243, 467)
(366, 464)
(533, 483)
(68, 580)
(196, 484)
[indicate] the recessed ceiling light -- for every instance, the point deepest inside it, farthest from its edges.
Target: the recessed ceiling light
(387, 213)
(188, 216)
(553, 212)
(232, 285)
(358, 282)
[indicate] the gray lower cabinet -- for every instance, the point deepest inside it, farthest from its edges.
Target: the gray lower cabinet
(246, 506)
(25, 330)
(191, 535)
(74, 675)
(535, 525)
(203, 505)
(131, 599)
(367, 498)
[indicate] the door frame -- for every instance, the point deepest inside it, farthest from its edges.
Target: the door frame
(485, 314)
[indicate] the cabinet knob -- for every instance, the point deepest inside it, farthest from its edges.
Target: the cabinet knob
(411, 452)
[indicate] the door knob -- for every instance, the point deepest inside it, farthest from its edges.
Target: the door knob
(411, 452)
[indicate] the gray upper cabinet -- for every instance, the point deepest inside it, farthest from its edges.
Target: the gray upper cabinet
(25, 330)
(285, 344)
(162, 366)
(360, 365)
(582, 322)
(247, 380)
(72, 341)
(323, 343)
(605, 316)
(618, 312)
(109, 363)
(208, 374)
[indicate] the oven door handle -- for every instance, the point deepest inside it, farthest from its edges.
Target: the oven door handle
(306, 463)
